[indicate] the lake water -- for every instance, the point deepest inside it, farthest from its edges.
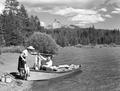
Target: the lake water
(100, 71)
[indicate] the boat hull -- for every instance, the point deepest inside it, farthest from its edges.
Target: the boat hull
(42, 75)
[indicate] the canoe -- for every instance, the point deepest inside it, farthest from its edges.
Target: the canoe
(46, 75)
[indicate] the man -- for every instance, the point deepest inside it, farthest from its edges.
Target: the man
(38, 61)
(22, 62)
(49, 62)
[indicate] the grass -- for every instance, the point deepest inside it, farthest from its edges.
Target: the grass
(12, 49)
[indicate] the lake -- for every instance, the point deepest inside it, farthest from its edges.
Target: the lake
(100, 70)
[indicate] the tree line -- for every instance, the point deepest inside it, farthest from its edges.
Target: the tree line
(85, 36)
(16, 26)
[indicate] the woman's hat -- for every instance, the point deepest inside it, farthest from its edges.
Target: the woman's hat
(31, 48)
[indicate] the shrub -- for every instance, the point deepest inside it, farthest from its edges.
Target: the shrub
(42, 43)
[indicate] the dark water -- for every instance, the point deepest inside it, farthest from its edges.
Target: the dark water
(100, 71)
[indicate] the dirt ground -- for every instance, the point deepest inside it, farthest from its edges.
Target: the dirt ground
(8, 63)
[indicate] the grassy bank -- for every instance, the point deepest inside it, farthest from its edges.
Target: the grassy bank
(11, 49)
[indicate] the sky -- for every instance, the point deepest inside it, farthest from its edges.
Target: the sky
(103, 14)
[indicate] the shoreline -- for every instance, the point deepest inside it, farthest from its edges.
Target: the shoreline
(97, 46)
(16, 86)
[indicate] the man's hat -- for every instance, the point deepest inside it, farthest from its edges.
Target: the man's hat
(31, 48)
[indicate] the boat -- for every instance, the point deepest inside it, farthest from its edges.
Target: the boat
(40, 75)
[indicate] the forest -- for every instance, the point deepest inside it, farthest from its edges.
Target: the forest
(16, 25)
(84, 36)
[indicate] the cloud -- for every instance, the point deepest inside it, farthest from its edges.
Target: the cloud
(108, 16)
(88, 19)
(56, 1)
(53, 5)
(117, 2)
(81, 16)
(103, 9)
(72, 10)
(60, 3)
(116, 11)
(38, 9)
(69, 3)
(78, 11)
(80, 24)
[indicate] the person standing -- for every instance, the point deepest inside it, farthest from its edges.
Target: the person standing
(22, 61)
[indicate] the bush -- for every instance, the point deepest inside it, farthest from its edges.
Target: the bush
(42, 43)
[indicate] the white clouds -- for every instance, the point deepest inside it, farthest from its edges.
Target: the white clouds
(81, 16)
(88, 19)
(103, 9)
(64, 11)
(108, 16)
(116, 11)
(117, 2)
(75, 10)
(72, 10)
(67, 8)
(55, 1)
(38, 9)
(68, 3)
(80, 24)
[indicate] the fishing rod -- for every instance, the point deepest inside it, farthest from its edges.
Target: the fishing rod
(46, 54)
(37, 53)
